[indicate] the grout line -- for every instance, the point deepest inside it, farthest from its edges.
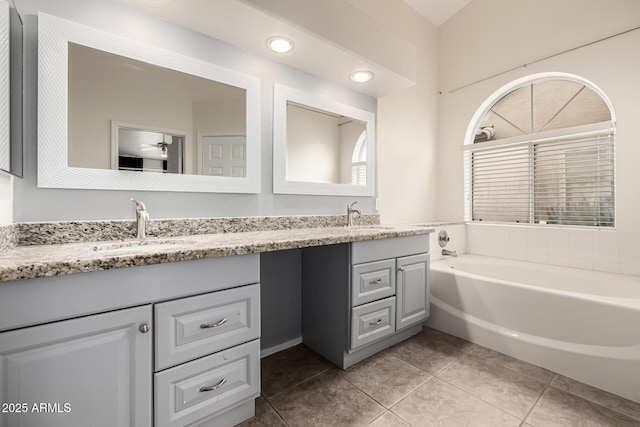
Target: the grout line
(278, 414)
(482, 400)
(453, 362)
(296, 384)
(547, 385)
(394, 414)
(396, 402)
(593, 400)
(538, 399)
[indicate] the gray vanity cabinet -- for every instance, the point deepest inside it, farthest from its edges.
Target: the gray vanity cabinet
(362, 297)
(95, 368)
(81, 347)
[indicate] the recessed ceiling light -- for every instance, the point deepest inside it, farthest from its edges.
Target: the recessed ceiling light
(280, 44)
(361, 76)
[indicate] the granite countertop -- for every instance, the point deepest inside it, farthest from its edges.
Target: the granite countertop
(28, 262)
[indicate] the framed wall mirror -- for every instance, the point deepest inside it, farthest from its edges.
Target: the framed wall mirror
(321, 146)
(122, 115)
(10, 89)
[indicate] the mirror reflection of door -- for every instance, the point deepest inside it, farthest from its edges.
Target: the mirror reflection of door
(222, 155)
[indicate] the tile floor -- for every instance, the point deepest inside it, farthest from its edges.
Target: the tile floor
(431, 379)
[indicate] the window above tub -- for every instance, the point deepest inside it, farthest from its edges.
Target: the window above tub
(541, 150)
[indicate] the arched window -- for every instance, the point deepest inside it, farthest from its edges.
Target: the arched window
(541, 151)
(359, 161)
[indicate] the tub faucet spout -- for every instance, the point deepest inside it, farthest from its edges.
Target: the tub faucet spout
(446, 252)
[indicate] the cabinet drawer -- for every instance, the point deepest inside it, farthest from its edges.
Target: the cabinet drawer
(372, 321)
(373, 281)
(199, 389)
(193, 327)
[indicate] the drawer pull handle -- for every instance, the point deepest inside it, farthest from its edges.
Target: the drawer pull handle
(377, 322)
(205, 389)
(373, 282)
(213, 325)
(401, 269)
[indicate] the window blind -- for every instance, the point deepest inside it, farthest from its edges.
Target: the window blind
(359, 173)
(567, 179)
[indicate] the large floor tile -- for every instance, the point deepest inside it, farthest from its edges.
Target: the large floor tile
(388, 419)
(289, 367)
(431, 350)
(326, 400)
(385, 378)
(601, 397)
(437, 403)
(508, 362)
(493, 378)
(557, 408)
(265, 417)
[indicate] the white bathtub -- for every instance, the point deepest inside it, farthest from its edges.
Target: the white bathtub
(578, 323)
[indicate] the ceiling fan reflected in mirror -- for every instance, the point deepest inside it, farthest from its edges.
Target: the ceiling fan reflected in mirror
(162, 146)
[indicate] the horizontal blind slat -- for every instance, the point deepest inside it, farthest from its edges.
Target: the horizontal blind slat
(566, 181)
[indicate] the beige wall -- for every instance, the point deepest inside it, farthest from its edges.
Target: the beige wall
(349, 134)
(407, 121)
(491, 36)
(152, 98)
(468, 54)
(313, 146)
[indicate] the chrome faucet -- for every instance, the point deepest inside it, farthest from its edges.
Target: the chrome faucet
(142, 216)
(351, 213)
(446, 252)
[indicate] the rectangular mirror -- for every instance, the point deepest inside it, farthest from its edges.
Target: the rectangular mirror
(321, 146)
(118, 114)
(10, 89)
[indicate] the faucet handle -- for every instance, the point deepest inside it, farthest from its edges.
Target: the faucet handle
(139, 205)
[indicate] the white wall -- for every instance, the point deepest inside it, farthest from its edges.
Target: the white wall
(491, 36)
(6, 199)
(407, 121)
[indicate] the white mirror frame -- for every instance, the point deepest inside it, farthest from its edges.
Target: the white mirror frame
(54, 36)
(282, 94)
(5, 141)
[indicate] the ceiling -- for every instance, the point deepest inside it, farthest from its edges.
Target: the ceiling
(332, 38)
(341, 37)
(437, 11)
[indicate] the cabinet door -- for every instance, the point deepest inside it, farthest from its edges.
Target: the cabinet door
(91, 371)
(412, 294)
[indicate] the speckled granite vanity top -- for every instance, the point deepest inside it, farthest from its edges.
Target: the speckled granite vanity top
(41, 260)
